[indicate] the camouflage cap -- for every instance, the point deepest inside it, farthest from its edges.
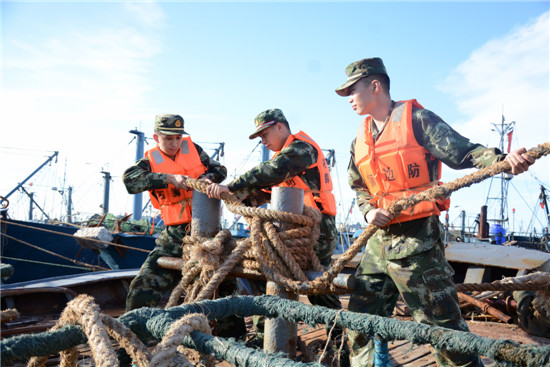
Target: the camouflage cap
(169, 124)
(266, 119)
(361, 69)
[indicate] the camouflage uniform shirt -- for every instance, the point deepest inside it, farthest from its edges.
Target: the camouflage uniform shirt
(292, 161)
(401, 240)
(139, 177)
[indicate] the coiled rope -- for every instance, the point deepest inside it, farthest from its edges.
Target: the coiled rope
(289, 252)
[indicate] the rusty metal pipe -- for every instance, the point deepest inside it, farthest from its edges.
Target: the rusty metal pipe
(485, 307)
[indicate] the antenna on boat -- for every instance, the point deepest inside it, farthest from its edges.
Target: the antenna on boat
(505, 130)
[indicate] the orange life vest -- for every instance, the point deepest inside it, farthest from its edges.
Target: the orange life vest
(175, 204)
(395, 166)
(323, 198)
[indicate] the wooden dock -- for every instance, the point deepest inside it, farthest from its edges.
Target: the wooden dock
(402, 353)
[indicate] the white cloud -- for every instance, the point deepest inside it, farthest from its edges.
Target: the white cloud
(509, 76)
(78, 94)
(506, 76)
(148, 13)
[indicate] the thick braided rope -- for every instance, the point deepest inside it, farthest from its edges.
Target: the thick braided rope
(259, 251)
(234, 204)
(167, 349)
(270, 232)
(445, 190)
(309, 220)
(264, 253)
(235, 258)
(127, 340)
(209, 255)
(295, 233)
(271, 215)
(205, 254)
(84, 311)
(531, 282)
(283, 252)
(189, 271)
(274, 261)
(316, 216)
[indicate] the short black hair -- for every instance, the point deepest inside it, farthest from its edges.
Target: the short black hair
(285, 123)
(384, 80)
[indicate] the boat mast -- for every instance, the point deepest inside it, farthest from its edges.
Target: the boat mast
(54, 155)
(138, 198)
(70, 205)
(503, 129)
(107, 177)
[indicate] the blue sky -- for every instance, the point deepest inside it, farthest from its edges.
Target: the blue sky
(77, 76)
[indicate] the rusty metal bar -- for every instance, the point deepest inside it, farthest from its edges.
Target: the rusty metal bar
(485, 307)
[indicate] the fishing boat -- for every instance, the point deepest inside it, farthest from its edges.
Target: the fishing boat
(43, 249)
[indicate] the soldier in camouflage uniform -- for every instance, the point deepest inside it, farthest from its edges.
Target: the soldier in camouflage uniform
(152, 281)
(293, 160)
(405, 256)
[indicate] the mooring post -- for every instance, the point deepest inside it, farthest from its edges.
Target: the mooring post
(281, 335)
(205, 215)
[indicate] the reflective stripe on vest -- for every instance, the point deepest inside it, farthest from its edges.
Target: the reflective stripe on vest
(175, 204)
(321, 199)
(395, 166)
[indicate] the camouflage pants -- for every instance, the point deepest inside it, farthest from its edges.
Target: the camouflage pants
(425, 282)
(153, 282)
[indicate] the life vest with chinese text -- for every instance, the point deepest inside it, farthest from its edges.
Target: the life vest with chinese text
(321, 199)
(395, 166)
(175, 204)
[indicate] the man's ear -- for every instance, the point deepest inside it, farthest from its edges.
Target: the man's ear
(156, 137)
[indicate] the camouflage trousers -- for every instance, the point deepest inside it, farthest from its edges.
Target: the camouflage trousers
(425, 282)
(153, 282)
